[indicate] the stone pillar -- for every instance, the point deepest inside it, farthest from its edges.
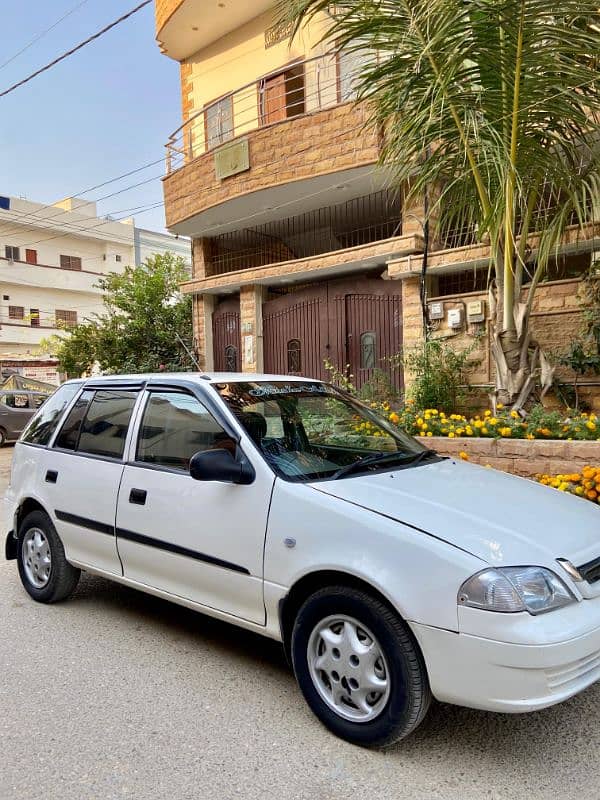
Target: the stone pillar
(251, 302)
(201, 264)
(412, 320)
(202, 311)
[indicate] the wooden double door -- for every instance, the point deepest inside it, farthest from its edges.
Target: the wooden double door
(356, 323)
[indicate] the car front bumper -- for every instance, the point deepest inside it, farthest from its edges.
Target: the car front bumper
(484, 673)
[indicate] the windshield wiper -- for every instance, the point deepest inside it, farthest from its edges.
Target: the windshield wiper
(381, 457)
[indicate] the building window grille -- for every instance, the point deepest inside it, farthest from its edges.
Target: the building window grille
(34, 317)
(12, 253)
(367, 350)
(70, 262)
(231, 358)
(65, 319)
(16, 312)
(278, 33)
(294, 356)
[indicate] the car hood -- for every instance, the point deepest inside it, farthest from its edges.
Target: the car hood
(501, 519)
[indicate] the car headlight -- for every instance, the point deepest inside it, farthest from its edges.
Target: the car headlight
(512, 589)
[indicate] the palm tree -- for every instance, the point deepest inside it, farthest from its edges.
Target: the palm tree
(495, 104)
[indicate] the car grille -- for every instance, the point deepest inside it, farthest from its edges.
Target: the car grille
(587, 669)
(590, 572)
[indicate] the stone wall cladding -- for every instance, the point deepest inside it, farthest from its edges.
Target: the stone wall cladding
(305, 147)
(164, 9)
(521, 456)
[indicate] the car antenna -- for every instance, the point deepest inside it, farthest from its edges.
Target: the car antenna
(193, 358)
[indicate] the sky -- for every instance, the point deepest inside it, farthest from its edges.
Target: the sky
(104, 111)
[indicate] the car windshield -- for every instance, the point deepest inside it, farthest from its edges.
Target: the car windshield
(313, 431)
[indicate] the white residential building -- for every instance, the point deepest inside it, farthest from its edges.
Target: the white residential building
(51, 258)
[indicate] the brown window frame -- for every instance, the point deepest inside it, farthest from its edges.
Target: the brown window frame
(12, 252)
(281, 71)
(66, 316)
(72, 263)
(16, 312)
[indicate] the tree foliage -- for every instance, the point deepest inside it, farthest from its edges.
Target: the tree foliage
(144, 321)
(493, 106)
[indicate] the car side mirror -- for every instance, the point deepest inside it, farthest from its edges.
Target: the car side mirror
(220, 465)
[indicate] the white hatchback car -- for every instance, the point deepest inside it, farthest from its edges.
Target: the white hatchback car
(282, 505)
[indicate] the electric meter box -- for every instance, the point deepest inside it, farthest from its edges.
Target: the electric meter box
(436, 311)
(455, 318)
(475, 311)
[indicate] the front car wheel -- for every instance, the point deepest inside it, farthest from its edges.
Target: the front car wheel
(358, 666)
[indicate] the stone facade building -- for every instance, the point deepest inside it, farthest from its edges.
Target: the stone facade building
(301, 250)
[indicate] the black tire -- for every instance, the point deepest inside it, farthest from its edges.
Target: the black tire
(409, 693)
(2, 437)
(63, 577)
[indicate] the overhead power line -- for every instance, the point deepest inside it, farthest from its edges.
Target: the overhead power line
(75, 49)
(42, 34)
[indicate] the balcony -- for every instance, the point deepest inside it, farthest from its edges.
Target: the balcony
(265, 150)
(185, 26)
(49, 277)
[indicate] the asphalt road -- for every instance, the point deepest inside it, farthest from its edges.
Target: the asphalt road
(114, 694)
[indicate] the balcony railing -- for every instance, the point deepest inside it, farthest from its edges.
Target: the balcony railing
(302, 87)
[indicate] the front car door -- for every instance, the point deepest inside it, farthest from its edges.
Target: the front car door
(202, 541)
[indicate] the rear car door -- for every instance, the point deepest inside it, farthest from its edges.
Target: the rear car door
(200, 540)
(83, 472)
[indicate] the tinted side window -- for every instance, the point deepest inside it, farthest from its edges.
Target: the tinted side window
(69, 433)
(104, 428)
(44, 423)
(176, 425)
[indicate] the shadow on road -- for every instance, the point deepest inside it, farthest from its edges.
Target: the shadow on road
(552, 738)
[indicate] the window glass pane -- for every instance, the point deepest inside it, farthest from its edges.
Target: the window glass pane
(174, 427)
(44, 423)
(367, 350)
(219, 122)
(105, 427)
(69, 433)
(351, 65)
(294, 356)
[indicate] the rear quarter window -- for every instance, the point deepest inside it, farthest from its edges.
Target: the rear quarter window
(44, 423)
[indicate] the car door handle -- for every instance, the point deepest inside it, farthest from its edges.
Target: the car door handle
(137, 496)
(51, 476)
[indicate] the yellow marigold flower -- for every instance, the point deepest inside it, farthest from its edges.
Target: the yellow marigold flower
(451, 435)
(514, 414)
(419, 420)
(424, 426)
(591, 426)
(394, 418)
(488, 414)
(469, 430)
(530, 436)
(499, 405)
(463, 455)
(484, 431)
(492, 421)
(579, 490)
(478, 423)
(505, 431)
(429, 433)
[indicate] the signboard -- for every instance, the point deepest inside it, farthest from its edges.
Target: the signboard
(231, 159)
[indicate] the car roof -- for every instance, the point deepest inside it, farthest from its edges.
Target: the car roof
(197, 377)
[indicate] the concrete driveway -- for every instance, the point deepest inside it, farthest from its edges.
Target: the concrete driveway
(114, 694)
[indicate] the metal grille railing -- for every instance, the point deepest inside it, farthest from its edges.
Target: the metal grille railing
(360, 221)
(299, 88)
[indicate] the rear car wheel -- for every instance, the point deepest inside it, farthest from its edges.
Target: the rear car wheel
(2, 437)
(358, 666)
(45, 572)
